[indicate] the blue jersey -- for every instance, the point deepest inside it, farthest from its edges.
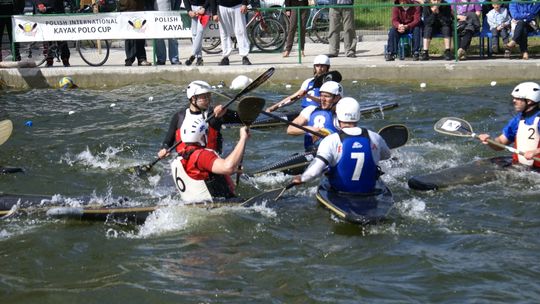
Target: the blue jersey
(321, 119)
(306, 102)
(356, 171)
(510, 130)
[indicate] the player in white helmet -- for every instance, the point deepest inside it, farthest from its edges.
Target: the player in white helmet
(308, 92)
(523, 129)
(199, 173)
(318, 118)
(200, 98)
(351, 155)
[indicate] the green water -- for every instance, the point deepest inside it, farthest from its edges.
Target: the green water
(465, 244)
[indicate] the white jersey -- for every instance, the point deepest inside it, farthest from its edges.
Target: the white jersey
(331, 151)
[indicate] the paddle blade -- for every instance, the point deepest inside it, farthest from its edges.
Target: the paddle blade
(453, 126)
(249, 109)
(395, 135)
(6, 127)
(328, 76)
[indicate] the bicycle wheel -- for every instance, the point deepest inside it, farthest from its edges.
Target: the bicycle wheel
(268, 34)
(93, 52)
(320, 25)
(33, 51)
(210, 45)
(279, 14)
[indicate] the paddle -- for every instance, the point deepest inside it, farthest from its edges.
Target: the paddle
(140, 170)
(460, 127)
(317, 83)
(6, 127)
(248, 110)
(395, 136)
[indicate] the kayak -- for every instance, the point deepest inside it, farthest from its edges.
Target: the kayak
(358, 208)
(473, 173)
(264, 121)
(293, 165)
(137, 214)
(7, 170)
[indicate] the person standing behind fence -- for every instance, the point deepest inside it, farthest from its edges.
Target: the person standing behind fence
(499, 25)
(405, 20)
(468, 17)
(161, 50)
(342, 17)
(134, 47)
(52, 7)
(293, 15)
(200, 12)
(437, 18)
(9, 8)
(232, 21)
(523, 15)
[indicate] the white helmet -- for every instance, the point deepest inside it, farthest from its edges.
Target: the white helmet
(194, 132)
(197, 87)
(321, 59)
(348, 110)
(332, 87)
(240, 82)
(527, 90)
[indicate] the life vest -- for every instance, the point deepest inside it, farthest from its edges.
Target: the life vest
(213, 138)
(194, 184)
(306, 102)
(319, 118)
(190, 189)
(527, 138)
(356, 171)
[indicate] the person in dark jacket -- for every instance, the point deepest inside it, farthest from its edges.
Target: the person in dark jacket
(405, 20)
(523, 22)
(293, 15)
(9, 8)
(437, 19)
(53, 7)
(134, 47)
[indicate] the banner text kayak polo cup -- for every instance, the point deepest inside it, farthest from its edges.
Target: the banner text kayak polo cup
(106, 26)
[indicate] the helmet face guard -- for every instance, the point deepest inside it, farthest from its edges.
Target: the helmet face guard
(197, 87)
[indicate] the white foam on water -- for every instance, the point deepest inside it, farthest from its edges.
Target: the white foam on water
(102, 160)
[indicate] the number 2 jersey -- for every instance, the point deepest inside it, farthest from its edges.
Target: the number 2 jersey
(522, 130)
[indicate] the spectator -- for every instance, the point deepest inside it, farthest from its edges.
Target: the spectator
(231, 20)
(523, 15)
(342, 17)
(52, 7)
(200, 12)
(437, 19)
(405, 20)
(499, 25)
(134, 47)
(468, 17)
(161, 50)
(293, 15)
(9, 8)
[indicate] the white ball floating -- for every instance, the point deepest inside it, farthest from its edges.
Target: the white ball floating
(150, 98)
(288, 86)
(355, 81)
(220, 86)
(112, 105)
(71, 112)
(493, 83)
(423, 85)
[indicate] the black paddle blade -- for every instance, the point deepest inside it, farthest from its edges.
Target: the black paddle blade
(328, 76)
(249, 109)
(395, 135)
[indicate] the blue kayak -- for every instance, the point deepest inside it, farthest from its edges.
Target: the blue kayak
(358, 208)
